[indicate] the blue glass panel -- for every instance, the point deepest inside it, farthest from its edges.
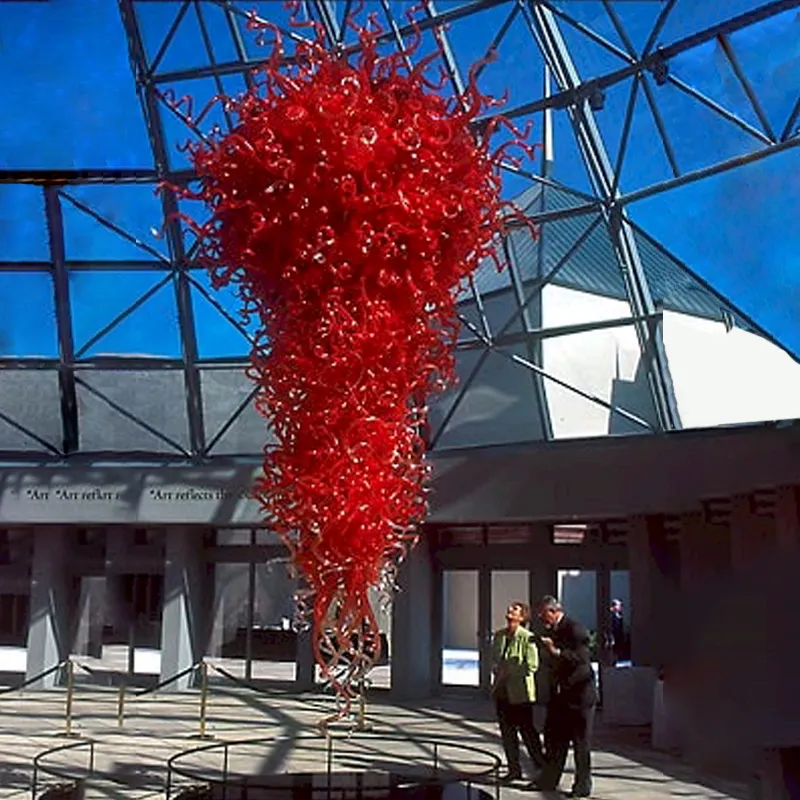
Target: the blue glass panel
(518, 67)
(592, 14)
(217, 336)
(645, 160)
(637, 18)
(611, 117)
(132, 208)
(700, 135)
(707, 69)
(689, 18)
(591, 59)
(68, 88)
(185, 48)
(23, 227)
(568, 163)
(99, 297)
(178, 130)
(27, 315)
(770, 57)
(738, 231)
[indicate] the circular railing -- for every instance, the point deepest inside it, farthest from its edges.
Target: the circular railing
(66, 775)
(359, 765)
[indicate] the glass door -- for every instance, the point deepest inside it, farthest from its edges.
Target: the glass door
(460, 628)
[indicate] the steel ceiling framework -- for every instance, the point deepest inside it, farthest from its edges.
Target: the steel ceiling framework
(562, 87)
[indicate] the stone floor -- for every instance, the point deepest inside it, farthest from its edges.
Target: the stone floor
(130, 761)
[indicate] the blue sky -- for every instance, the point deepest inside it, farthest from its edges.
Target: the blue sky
(70, 103)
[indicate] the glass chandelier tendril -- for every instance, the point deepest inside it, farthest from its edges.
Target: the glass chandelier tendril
(348, 205)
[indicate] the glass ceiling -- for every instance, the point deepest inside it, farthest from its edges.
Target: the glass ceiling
(675, 122)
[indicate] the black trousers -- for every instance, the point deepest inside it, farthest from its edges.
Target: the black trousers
(568, 725)
(516, 720)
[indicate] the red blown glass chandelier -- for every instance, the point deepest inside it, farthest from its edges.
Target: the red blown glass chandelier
(348, 205)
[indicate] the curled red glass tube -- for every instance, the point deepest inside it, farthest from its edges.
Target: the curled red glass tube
(349, 204)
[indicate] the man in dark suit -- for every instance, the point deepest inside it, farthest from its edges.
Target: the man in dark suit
(619, 638)
(573, 697)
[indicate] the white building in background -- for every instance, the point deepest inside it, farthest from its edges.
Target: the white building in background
(577, 327)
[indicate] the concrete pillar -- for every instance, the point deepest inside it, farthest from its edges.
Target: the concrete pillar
(705, 551)
(51, 604)
(184, 621)
(787, 519)
(543, 581)
(485, 628)
(305, 669)
(653, 585)
(603, 602)
(750, 534)
(412, 631)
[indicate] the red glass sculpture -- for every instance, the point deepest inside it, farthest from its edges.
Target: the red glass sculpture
(349, 204)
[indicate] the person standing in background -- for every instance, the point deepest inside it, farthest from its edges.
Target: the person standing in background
(619, 638)
(515, 660)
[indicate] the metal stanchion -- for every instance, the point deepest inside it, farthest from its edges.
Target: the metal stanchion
(361, 722)
(121, 706)
(329, 758)
(70, 692)
(203, 700)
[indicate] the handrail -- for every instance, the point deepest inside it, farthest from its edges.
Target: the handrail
(29, 681)
(149, 689)
(52, 771)
(167, 681)
(437, 777)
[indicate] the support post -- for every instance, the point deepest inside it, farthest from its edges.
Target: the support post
(412, 631)
(121, 706)
(749, 533)
(51, 604)
(203, 700)
(787, 519)
(183, 626)
(306, 666)
(69, 699)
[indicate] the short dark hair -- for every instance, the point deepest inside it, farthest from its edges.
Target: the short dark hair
(524, 609)
(549, 603)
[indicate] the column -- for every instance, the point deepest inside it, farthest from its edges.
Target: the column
(653, 584)
(51, 604)
(750, 533)
(412, 631)
(305, 672)
(706, 558)
(705, 552)
(603, 602)
(543, 581)
(485, 624)
(628, 694)
(787, 519)
(184, 621)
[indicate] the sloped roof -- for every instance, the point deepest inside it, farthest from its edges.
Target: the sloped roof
(111, 343)
(594, 268)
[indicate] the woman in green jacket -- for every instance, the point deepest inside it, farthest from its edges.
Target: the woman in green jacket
(515, 659)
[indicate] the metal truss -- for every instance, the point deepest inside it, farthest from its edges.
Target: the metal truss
(519, 338)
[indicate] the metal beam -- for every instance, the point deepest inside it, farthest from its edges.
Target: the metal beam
(66, 345)
(531, 317)
(707, 172)
(60, 177)
(556, 54)
(148, 96)
(537, 334)
(326, 15)
(491, 346)
(569, 96)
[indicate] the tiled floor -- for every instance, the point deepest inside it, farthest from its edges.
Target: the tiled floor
(130, 762)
